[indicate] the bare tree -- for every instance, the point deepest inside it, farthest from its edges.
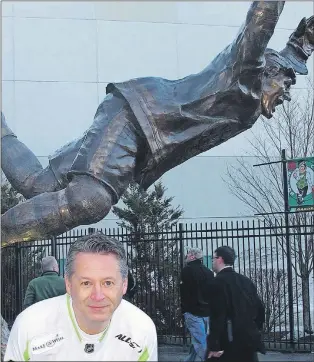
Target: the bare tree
(4, 337)
(9, 198)
(150, 218)
(268, 271)
(30, 265)
(271, 286)
(261, 188)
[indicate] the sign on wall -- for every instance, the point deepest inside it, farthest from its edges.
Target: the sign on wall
(301, 184)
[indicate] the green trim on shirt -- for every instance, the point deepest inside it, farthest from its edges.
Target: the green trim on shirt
(26, 352)
(72, 318)
(74, 324)
(103, 335)
(144, 356)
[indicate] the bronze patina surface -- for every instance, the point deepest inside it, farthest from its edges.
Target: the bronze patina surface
(147, 126)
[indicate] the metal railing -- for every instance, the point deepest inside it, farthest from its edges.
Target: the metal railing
(156, 259)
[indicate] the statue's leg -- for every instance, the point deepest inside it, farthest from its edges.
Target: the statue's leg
(113, 147)
(84, 201)
(102, 170)
(21, 166)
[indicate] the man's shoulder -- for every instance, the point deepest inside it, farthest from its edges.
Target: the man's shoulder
(247, 282)
(53, 279)
(36, 280)
(225, 276)
(59, 279)
(134, 316)
(45, 278)
(53, 276)
(207, 270)
(186, 271)
(39, 311)
(242, 277)
(229, 277)
(186, 268)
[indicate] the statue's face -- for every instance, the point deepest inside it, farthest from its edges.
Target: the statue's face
(276, 89)
(302, 168)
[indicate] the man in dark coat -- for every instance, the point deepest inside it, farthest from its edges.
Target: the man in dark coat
(146, 126)
(195, 283)
(237, 313)
(48, 285)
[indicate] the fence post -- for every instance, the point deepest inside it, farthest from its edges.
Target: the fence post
(18, 286)
(289, 262)
(181, 239)
(91, 230)
(54, 250)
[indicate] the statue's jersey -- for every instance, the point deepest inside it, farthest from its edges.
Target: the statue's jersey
(183, 118)
(178, 119)
(47, 331)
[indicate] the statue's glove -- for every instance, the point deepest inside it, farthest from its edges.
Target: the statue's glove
(300, 45)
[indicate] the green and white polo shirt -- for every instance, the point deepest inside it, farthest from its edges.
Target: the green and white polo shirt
(47, 331)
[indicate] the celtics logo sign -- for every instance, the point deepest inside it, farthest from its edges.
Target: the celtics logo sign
(301, 184)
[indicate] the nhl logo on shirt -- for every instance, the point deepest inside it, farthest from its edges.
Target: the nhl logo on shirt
(89, 348)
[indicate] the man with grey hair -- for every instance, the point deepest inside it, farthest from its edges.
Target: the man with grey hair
(48, 285)
(195, 282)
(91, 321)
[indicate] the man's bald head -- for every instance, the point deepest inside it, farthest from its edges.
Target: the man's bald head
(49, 263)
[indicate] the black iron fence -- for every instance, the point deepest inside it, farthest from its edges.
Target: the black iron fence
(156, 259)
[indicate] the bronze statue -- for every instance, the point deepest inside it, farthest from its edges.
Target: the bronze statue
(146, 126)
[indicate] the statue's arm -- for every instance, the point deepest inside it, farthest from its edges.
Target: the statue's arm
(254, 35)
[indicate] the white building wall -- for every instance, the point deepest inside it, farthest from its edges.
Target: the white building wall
(59, 56)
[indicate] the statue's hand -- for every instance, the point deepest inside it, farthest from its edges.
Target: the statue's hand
(304, 35)
(300, 45)
(5, 130)
(309, 31)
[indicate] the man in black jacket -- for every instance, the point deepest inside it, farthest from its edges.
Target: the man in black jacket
(237, 313)
(194, 286)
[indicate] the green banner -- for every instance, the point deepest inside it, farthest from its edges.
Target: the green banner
(207, 261)
(301, 184)
(62, 266)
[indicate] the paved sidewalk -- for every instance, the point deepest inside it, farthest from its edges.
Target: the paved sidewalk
(178, 354)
